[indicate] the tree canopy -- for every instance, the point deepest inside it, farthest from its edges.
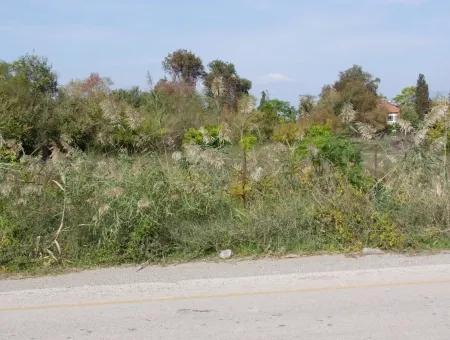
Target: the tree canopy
(407, 96)
(28, 89)
(183, 65)
(224, 84)
(406, 100)
(359, 88)
(280, 109)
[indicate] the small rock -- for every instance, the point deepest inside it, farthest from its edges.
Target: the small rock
(226, 254)
(372, 251)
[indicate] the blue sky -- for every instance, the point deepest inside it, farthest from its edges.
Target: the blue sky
(288, 47)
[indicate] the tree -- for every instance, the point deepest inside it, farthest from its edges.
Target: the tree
(357, 74)
(406, 100)
(184, 66)
(280, 109)
(244, 86)
(37, 73)
(94, 86)
(354, 87)
(263, 99)
(325, 111)
(407, 96)
(221, 80)
(271, 113)
(358, 88)
(28, 91)
(133, 96)
(307, 104)
(223, 84)
(422, 101)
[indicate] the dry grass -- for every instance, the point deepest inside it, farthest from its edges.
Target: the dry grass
(95, 209)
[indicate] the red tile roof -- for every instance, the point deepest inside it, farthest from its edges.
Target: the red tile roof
(389, 107)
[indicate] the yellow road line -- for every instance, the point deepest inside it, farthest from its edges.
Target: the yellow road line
(216, 296)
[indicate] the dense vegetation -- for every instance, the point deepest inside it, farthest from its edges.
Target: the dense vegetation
(95, 175)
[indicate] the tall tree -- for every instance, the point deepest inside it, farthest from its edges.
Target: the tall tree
(358, 88)
(223, 83)
(183, 65)
(263, 99)
(423, 102)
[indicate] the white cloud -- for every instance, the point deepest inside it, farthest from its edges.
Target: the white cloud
(274, 78)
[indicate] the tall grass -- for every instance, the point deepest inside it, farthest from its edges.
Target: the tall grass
(86, 208)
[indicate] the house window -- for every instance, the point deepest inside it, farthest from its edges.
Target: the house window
(392, 118)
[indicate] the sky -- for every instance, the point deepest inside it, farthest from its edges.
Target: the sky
(287, 47)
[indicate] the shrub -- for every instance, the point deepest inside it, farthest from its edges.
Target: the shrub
(322, 146)
(286, 133)
(149, 207)
(210, 136)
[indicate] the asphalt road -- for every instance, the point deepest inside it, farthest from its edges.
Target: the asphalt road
(322, 297)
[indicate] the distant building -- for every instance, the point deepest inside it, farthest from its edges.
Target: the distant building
(392, 112)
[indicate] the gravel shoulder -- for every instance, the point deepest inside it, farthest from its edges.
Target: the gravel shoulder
(222, 269)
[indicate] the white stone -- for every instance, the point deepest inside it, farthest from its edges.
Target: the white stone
(226, 254)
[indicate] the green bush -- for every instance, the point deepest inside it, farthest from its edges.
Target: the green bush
(322, 146)
(210, 136)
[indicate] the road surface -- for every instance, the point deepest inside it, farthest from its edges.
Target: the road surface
(321, 297)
